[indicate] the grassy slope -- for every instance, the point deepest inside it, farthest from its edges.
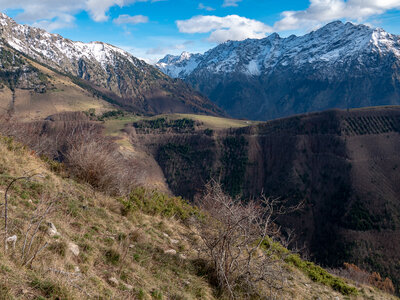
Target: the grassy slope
(115, 125)
(61, 95)
(99, 225)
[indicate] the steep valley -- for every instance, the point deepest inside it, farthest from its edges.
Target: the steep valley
(342, 164)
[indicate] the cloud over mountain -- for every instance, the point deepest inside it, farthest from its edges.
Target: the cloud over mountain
(232, 27)
(322, 11)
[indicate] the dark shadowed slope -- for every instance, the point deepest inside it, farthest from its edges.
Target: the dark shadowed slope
(345, 166)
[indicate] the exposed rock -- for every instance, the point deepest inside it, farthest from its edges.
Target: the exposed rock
(174, 241)
(116, 74)
(129, 287)
(52, 230)
(337, 66)
(74, 248)
(170, 251)
(11, 240)
(113, 281)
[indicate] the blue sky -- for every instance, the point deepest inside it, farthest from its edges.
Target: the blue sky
(150, 29)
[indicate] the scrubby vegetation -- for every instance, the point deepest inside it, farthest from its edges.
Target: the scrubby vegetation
(165, 124)
(79, 238)
(318, 274)
(156, 203)
(353, 272)
(234, 160)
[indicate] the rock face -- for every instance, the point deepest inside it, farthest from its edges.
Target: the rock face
(15, 72)
(124, 79)
(337, 66)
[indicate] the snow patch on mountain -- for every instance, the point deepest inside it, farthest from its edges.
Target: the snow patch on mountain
(334, 45)
(41, 44)
(179, 66)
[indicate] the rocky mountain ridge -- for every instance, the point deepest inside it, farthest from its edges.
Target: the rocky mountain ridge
(128, 81)
(337, 66)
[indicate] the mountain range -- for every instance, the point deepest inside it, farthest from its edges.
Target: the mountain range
(97, 67)
(341, 65)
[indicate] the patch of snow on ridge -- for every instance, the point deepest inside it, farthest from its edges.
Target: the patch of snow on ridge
(253, 68)
(39, 43)
(325, 48)
(179, 66)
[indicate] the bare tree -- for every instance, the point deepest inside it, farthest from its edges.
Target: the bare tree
(239, 239)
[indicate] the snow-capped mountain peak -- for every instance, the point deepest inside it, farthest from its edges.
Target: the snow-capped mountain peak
(337, 66)
(335, 43)
(179, 66)
(42, 45)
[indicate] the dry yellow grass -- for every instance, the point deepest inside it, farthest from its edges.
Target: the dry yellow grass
(215, 123)
(62, 95)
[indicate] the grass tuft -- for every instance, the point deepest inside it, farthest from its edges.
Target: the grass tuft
(157, 203)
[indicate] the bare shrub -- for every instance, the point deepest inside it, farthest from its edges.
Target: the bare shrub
(240, 240)
(78, 142)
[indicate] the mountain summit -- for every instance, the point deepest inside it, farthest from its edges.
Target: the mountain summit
(127, 81)
(341, 65)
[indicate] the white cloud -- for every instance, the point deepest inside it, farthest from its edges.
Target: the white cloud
(207, 8)
(98, 8)
(322, 11)
(228, 3)
(231, 27)
(127, 19)
(53, 14)
(62, 21)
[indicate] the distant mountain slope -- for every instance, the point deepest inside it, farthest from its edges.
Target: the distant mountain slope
(30, 91)
(128, 81)
(337, 66)
(343, 165)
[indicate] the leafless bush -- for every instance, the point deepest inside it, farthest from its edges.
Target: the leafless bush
(239, 241)
(101, 164)
(80, 144)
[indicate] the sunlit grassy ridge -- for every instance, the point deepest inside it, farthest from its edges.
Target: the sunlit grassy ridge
(116, 124)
